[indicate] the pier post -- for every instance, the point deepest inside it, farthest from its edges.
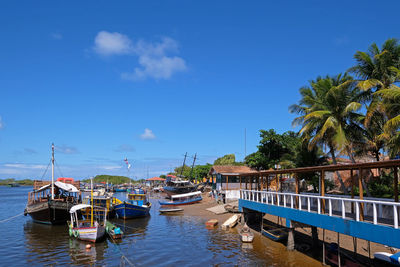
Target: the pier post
(314, 234)
(322, 190)
(352, 189)
(396, 185)
(290, 241)
(361, 195)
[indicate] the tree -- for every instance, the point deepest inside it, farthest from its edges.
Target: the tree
(378, 73)
(228, 159)
(185, 172)
(328, 115)
(201, 171)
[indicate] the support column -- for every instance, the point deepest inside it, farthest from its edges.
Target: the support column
(296, 176)
(240, 182)
(396, 185)
(314, 234)
(361, 195)
(322, 190)
(352, 189)
(277, 182)
(262, 182)
(290, 241)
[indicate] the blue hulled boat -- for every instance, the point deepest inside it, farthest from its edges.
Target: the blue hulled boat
(183, 199)
(137, 205)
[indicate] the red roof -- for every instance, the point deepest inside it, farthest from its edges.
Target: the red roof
(155, 179)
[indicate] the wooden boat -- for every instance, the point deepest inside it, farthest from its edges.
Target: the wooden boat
(137, 205)
(176, 186)
(171, 210)
(50, 202)
(106, 204)
(232, 208)
(275, 234)
(386, 259)
(345, 259)
(212, 223)
(246, 235)
(183, 199)
(113, 231)
(231, 222)
(89, 229)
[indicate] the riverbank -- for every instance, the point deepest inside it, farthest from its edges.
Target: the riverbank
(358, 248)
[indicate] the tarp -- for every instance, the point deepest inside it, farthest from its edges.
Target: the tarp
(79, 207)
(66, 187)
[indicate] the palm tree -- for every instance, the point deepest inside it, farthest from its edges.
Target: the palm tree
(378, 72)
(328, 115)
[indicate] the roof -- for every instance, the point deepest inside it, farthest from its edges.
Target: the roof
(78, 207)
(155, 179)
(66, 187)
(230, 170)
(187, 194)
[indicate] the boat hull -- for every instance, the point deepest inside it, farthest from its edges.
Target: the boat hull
(91, 234)
(50, 212)
(128, 211)
(179, 203)
(171, 190)
(275, 234)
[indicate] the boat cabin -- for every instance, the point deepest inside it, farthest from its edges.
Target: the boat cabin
(138, 197)
(62, 192)
(86, 221)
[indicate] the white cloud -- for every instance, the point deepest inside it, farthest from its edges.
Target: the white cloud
(153, 58)
(56, 36)
(67, 149)
(109, 167)
(147, 135)
(24, 166)
(112, 43)
(1, 123)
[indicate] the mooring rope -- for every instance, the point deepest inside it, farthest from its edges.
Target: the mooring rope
(6, 220)
(123, 257)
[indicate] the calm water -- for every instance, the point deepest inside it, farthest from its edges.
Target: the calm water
(154, 241)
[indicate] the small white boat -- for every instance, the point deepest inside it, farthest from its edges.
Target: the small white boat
(388, 258)
(87, 229)
(231, 222)
(170, 210)
(246, 235)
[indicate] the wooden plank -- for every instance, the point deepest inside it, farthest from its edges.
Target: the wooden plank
(361, 193)
(396, 185)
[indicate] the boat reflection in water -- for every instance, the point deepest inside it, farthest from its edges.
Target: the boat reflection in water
(82, 256)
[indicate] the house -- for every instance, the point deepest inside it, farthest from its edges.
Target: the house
(227, 181)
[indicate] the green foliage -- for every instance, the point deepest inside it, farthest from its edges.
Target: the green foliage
(185, 173)
(163, 176)
(110, 178)
(228, 159)
(201, 171)
(382, 187)
(274, 149)
(12, 181)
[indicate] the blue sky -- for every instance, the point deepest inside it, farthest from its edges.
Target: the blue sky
(151, 80)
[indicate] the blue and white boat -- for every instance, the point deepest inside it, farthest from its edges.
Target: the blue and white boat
(183, 199)
(137, 205)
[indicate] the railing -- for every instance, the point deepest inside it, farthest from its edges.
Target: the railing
(305, 202)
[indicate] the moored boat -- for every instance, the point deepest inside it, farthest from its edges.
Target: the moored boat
(106, 204)
(231, 222)
(113, 231)
(172, 210)
(50, 202)
(183, 199)
(246, 235)
(176, 186)
(89, 229)
(274, 233)
(137, 205)
(386, 259)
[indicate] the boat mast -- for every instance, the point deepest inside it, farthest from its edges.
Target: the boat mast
(52, 171)
(191, 171)
(183, 165)
(91, 201)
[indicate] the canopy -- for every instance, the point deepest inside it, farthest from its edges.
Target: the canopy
(66, 187)
(155, 179)
(78, 207)
(187, 194)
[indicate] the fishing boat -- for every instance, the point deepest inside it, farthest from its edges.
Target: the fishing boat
(183, 199)
(246, 235)
(231, 222)
(172, 210)
(274, 233)
(386, 259)
(89, 229)
(106, 204)
(137, 205)
(50, 202)
(113, 231)
(345, 259)
(176, 186)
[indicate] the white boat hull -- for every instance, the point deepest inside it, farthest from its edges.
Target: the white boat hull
(231, 222)
(91, 234)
